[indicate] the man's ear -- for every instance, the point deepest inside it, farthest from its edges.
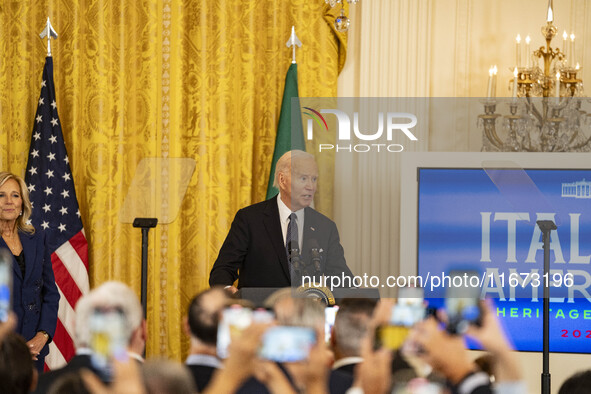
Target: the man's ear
(186, 327)
(332, 338)
(144, 331)
(280, 179)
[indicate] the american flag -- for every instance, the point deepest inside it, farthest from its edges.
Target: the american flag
(55, 211)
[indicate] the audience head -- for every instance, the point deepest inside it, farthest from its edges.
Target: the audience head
(17, 372)
(486, 363)
(299, 311)
(579, 383)
(69, 383)
(167, 377)
(204, 315)
(350, 326)
(111, 295)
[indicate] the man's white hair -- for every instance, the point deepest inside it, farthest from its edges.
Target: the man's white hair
(109, 295)
(283, 165)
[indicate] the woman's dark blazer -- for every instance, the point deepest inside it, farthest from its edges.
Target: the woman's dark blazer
(35, 297)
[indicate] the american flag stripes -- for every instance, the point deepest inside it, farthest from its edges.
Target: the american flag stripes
(55, 211)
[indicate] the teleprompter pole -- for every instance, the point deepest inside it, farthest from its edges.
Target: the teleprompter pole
(546, 226)
(145, 224)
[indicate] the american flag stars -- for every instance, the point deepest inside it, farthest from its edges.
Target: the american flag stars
(49, 176)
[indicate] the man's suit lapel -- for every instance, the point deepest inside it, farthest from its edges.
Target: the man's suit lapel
(273, 228)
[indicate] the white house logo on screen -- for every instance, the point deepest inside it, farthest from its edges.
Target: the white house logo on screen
(389, 123)
(579, 189)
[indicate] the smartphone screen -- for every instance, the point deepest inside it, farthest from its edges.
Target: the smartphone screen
(409, 308)
(261, 315)
(390, 337)
(5, 284)
(462, 302)
(235, 319)
(287, 344)
(330, 314)
(107, 340)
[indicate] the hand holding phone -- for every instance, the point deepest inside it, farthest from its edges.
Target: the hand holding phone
(5, 284)
(409, 308)
(235, 319)
(330, 314)
(107, 340)
(462, 303)
(287, 344)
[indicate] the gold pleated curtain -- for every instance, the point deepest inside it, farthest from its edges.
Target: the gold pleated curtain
(138, 79)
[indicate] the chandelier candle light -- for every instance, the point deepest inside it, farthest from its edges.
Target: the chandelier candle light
(548, 116)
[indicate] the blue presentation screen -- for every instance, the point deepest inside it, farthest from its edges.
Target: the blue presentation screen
(484, 220)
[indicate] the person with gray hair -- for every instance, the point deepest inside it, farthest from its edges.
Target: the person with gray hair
(265, 237)
(350, 327)
(162, 376)
(108, 296)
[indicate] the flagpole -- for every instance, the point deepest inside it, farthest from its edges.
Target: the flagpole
(292, 42)
(290, 134)
(49, 33)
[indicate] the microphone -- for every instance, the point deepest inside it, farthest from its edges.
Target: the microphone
(313, 289)
(316, 257)
(294, 255)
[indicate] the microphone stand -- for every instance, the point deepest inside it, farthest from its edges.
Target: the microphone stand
(546, 226)
(296, 265)
(316, 261)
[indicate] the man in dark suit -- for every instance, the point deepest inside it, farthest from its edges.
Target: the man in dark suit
(262, 235)
(109, 296)
(202, 327)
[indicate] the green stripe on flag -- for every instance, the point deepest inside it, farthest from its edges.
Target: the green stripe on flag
(290, 132)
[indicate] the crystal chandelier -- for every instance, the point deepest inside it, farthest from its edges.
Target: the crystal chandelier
(545, 112)
(341, 22)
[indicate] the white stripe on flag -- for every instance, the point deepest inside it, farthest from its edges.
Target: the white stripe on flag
(75, 266)
(55, 359)
(66, 314)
